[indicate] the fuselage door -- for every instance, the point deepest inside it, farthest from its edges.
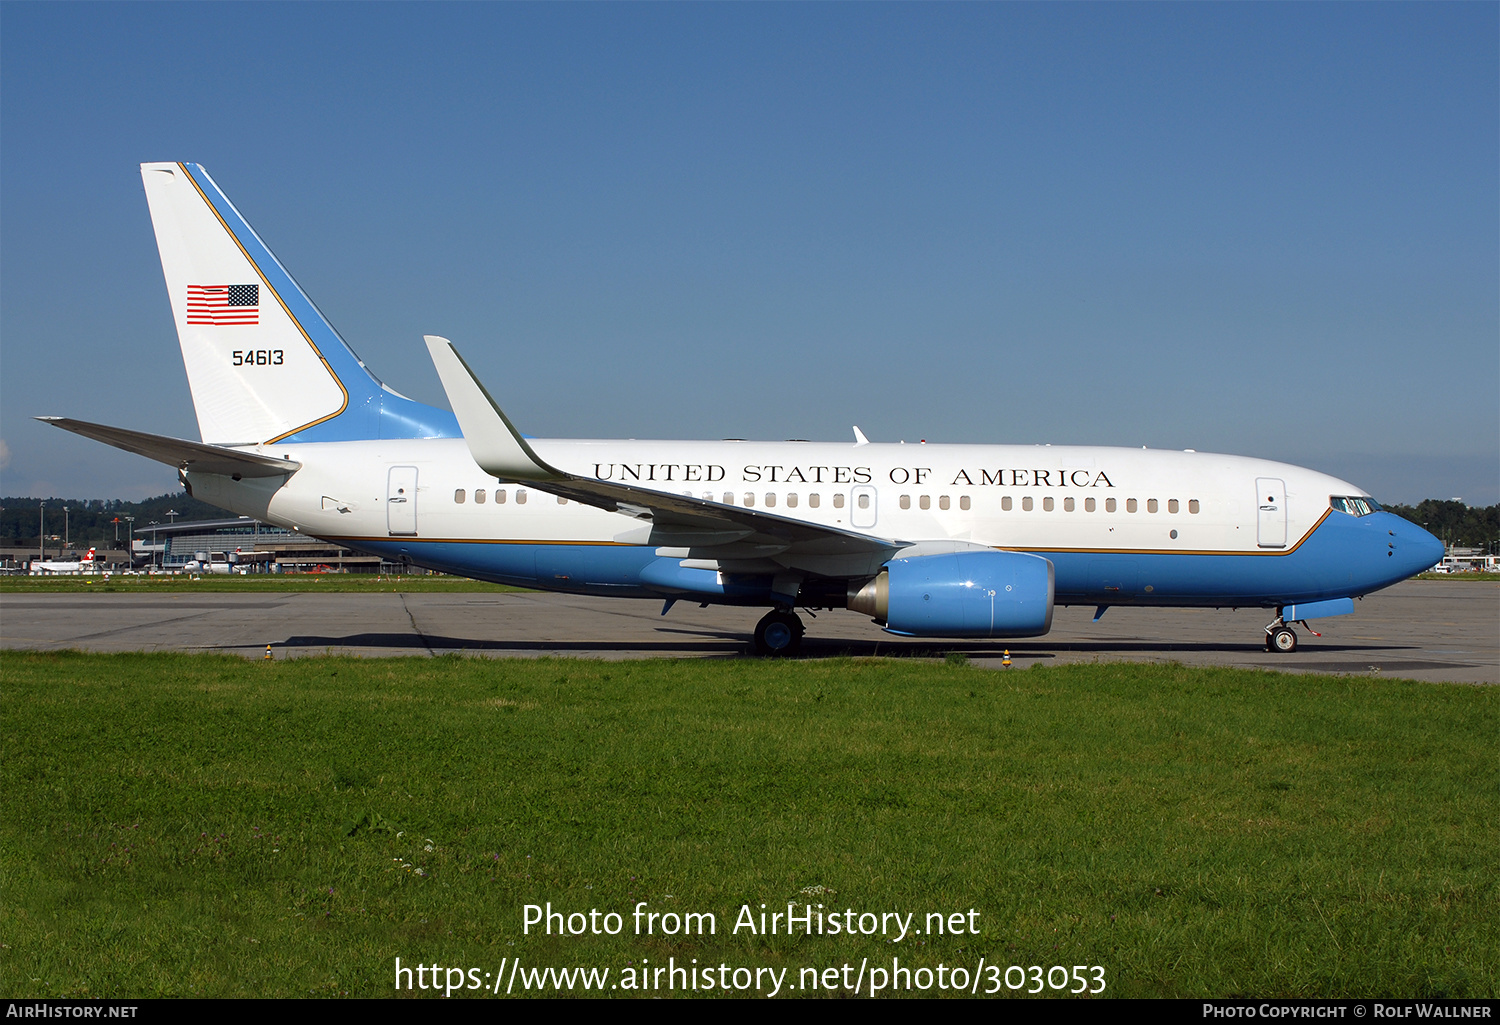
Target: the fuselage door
(1270, 503)
(401, 501)
(863, 510)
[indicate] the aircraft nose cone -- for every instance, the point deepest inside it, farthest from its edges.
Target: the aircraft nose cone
(1431, 550)
(1416, 549)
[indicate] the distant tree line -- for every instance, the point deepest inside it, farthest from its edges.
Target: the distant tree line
(90, 521)
(1469, 526)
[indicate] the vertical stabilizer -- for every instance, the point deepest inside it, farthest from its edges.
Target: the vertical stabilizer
(262, 362)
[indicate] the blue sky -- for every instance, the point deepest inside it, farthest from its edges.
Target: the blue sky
(1266, 229)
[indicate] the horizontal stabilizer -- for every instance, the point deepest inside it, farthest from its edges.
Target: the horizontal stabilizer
(184, 455)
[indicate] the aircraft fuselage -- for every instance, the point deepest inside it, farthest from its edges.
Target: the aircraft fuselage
(1121, 526)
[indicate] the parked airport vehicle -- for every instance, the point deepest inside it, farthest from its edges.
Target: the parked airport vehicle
(977, 541)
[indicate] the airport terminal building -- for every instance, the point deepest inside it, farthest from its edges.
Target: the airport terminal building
(241, 544)
(237, 544)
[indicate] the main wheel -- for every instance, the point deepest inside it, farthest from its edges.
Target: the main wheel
(1283, 639)
(778, 633)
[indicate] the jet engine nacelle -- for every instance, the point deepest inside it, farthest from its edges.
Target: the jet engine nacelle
(961, 594)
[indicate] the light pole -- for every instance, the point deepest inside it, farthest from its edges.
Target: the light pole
(66, 545)
(42, 530)
(172, 514)
(130, 538)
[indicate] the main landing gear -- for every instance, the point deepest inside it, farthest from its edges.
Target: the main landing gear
(778, 633)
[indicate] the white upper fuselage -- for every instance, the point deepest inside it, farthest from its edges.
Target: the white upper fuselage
(1033, 498)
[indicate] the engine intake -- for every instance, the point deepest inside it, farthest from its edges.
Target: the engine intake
(960, 594)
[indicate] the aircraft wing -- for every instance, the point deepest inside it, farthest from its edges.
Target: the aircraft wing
(673, 520)
(185, 455)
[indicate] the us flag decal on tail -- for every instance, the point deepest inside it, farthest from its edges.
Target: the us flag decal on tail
(223, 304)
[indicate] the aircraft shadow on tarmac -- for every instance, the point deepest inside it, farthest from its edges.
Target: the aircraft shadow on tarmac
(707, 642)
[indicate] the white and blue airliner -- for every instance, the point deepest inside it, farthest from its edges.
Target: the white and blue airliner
(971, 541)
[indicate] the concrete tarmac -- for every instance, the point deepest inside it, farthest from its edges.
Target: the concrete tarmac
(1433, 630)
(1425, 630)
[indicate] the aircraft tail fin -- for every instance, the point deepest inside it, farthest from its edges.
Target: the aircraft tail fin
(263, 363)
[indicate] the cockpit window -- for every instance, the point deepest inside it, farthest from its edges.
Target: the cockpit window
(1355, 505)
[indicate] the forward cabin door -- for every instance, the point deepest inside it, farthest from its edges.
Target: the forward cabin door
(1270, 501)
(401, 501)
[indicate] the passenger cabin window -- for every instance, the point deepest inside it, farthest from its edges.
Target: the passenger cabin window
(1193, 506)
(864, 501)
(925, 501)
(1109, 505)
(1151, 505)
(500, 497)
(479, 496)
(813, 501)
(791, 500)
(963, 502)
(728, 498)
(943, 502)
(1067, 505)
(1026, 504)
(1005, 503)
(749, 500)
(1088, 505)
(458, 496)
(905, 502)
(520, 498)
(1171, 505)
(561, 500)
(770, 500)
(1130, 505)
(838, 500)
(1047, 504)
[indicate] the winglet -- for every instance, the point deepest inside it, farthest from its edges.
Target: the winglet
(493, 440)
(859, 437)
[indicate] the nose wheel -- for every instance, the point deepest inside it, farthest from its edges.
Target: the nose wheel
(778, 633)
(1281, 638)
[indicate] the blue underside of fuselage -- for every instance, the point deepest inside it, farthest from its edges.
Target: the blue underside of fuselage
(1346, 556)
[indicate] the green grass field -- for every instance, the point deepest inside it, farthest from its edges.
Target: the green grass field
(197, 825)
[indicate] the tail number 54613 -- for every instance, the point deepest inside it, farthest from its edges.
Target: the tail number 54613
(258, 357)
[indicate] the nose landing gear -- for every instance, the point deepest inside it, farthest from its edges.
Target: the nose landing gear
(1280, 637)
(778, 633)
